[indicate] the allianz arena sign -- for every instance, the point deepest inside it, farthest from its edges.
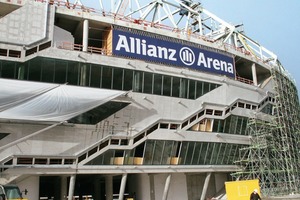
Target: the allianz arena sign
(172, 53)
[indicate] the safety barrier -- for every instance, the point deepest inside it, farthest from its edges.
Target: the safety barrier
(244, 80)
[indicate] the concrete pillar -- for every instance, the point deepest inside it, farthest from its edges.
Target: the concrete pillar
(122, 186)
(167, 186)
(254, 77)
(152, 187)
(205, 186)
(109, 187)
(85, 37)
(71, 187)
(63, 187)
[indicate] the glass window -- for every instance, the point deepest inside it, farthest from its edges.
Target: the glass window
(176, 149)
(206, 87)
(214, 154)
(35, 70)
(8, 69)
(175, 86)
(85, 74)
(22, 72)
(106, 77)
(203, 153)
(118, 79)
(149, 149)
(239, 125)
(183, 152)
(48, 67)
(166, 85)
(196, 153)
(208, 153)
(227, 124)
(148, 82)
(157, 86)
(108, 157)
(244, 126)
(60, 71)
(192, 89)
(190, 153)
(73, 73)
(95, 76)
(128, 80)
(183, 88)
(138, 81)
(221, 158)
(199, 89)
(158, 150)
(166, 154)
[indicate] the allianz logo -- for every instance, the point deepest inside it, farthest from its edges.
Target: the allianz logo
(186, 55)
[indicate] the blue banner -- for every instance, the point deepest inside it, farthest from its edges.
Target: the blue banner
(171, 53)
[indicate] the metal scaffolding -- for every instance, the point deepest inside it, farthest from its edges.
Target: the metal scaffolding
(274, 154)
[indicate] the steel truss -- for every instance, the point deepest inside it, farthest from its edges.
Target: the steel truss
(186, 16)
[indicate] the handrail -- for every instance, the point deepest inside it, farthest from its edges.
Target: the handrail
(142, 22)
(244, 80)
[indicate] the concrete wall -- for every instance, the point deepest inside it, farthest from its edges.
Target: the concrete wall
(140, 185)
(60, 35)
(30, 183)
(21, 28)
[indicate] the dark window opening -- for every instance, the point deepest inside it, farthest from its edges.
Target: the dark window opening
(99, 113)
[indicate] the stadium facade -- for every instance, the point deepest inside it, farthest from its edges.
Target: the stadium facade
(157, 100)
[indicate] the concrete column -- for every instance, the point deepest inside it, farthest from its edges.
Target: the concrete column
(122, 186)
(152, 187)
(167, 186)
(254, 74)
(109, 187)
(205, 186)
(71, 187)
(85, 37)
(63, 187)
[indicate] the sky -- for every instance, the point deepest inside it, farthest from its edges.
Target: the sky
(272, 23)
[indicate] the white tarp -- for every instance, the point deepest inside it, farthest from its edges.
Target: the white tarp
(35, 101)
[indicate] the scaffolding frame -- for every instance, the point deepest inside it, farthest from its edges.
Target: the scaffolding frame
(274, 154)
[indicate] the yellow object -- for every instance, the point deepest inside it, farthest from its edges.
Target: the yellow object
(17, 199)
(241, 190)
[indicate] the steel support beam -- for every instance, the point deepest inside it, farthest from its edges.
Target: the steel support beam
(167, 186)
(71, 187)
(254, 76)
(205, 186)
(122, 186)
(152, 187)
